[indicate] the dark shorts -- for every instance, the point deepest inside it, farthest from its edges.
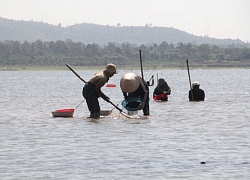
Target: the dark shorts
(91, 97)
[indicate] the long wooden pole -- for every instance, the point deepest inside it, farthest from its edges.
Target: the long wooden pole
(141, 66)
(189, 80)
(75, 73)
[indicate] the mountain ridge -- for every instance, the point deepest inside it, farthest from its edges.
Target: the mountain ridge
(88, 33)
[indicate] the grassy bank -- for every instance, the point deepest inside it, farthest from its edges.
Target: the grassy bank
(47, 68)
(136, 66)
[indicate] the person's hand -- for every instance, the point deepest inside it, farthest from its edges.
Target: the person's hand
(141, 106)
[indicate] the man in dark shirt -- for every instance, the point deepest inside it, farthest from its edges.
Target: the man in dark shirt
(196, 94)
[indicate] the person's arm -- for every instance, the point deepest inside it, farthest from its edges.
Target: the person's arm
(142, 104)
(98, 87)
(203, 95)
(190, 96)
(125, 95)
(169, 91)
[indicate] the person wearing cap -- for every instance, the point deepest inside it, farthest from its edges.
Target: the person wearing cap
(133, 85)
(162, 91)
(92, 89)
(196, 94)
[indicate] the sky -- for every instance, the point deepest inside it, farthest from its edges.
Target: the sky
(214, 18)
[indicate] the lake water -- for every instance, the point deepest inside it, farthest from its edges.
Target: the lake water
(180, 140)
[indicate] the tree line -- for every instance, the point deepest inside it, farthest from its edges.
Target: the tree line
(59, 52)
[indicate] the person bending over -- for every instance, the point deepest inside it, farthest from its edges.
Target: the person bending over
(132, 85)
(92, 89)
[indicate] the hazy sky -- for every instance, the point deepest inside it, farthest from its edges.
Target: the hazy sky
(215, 18)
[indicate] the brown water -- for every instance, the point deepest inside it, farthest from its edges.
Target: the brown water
(180, 140)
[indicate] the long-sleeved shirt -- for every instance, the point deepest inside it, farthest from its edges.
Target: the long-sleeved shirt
(198, 95)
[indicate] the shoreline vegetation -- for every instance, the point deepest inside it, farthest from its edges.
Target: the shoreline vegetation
(51, 56)
(135, 66)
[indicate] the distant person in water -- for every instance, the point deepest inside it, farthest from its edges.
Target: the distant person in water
(92, 89)
(162, 91)
(132, 86)
(196, 94)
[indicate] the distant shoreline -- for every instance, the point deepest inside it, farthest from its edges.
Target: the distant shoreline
(161, 66)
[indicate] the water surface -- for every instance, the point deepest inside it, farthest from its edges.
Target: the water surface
(171, 144)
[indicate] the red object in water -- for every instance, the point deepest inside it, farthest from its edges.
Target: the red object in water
(110, 85)
(160, 97)
(65, 110)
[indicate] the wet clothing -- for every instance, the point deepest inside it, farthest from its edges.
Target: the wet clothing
(141, 92)
(159, 95)
(91, 97)
(198, 95)
(92, 91)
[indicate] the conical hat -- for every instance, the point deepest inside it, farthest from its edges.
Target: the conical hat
(129, 83)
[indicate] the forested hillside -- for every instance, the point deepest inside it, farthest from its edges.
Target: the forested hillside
(91, 33)
(57, 53)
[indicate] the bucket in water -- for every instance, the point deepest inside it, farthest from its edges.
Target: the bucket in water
(63, 113)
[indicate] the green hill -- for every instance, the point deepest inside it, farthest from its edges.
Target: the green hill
(91, 33)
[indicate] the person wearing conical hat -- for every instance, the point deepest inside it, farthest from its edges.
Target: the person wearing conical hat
(162, 91)
(92, 89)
(132, 85)
(196, 94)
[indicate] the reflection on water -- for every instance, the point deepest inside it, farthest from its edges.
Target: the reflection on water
(180, 140)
